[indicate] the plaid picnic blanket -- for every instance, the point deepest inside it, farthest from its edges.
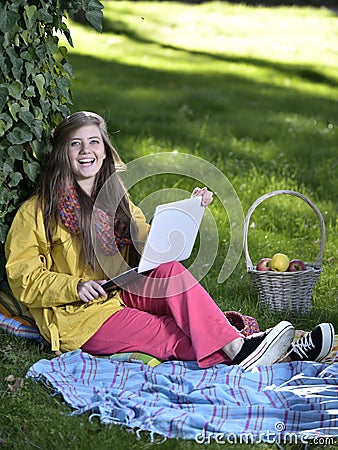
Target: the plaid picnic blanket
(179, 400)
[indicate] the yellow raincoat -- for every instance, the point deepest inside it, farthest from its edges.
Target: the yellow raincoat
(46, 280)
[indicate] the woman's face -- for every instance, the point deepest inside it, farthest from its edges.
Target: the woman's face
(86, 153)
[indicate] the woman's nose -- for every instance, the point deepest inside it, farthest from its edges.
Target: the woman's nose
(84, 148)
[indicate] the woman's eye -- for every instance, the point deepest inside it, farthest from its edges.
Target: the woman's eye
(94, 141)
(74, 143)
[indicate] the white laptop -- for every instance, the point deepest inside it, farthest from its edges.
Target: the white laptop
(171, 237)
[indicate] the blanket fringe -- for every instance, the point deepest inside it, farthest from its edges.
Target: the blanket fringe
(152, 435)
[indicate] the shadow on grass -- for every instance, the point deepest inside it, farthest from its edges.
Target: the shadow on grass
(305, 73)
(172, 107)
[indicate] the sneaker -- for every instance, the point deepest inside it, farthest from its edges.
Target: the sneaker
(265, 348)
(314, 346)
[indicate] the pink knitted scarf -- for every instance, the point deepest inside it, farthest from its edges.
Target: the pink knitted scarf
(111, 238)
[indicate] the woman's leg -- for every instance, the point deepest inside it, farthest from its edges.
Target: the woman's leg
(172, 291)
(131, 330)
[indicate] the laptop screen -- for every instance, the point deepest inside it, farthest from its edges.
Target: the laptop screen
(172, 234)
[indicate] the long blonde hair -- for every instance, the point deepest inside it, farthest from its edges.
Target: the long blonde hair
(57, 171)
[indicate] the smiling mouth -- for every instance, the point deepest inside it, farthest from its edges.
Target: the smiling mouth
(86, 161)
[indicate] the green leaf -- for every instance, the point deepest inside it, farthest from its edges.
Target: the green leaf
(14, 108)
(30, 91)
(3, 96)
(15, 89)
(11, 52)
(8, 20)
(7, 121)
(29, 14)
(26, 116)
(30, 67)
(95, 18)
(64, 86)
(28, 55)
(32, 170)
(30, 11)
(45, 107)
(41, 52)
(25, 36)
(15, 179)
(17, 65)
(39, 80)
(67, 34)
(52, 42)
(68, 68)
(12, 33)
(19, 135)
(44, 16)
(48, 78)
(39, 149)
(63, 51)
(7, 169)
(37, 113)
(38, 129)
(24, 102)
(15, 151)
(17, 40)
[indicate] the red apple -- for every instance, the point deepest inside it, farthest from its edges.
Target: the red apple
(264, 264)
(296, 265)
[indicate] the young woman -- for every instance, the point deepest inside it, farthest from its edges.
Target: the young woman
(53, 269)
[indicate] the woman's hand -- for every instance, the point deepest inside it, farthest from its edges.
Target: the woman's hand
(90, 290)
(204, 193)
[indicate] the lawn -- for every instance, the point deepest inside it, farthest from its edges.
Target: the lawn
(251, 90)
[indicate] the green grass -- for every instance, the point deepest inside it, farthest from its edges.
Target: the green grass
(253, 91)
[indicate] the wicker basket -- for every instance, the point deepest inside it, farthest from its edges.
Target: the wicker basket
(282, 291)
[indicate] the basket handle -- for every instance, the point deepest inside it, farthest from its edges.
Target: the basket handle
(318, 262)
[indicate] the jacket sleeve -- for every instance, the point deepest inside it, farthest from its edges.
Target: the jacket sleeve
(29, 263)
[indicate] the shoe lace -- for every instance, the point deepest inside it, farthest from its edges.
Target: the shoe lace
(303, 345)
